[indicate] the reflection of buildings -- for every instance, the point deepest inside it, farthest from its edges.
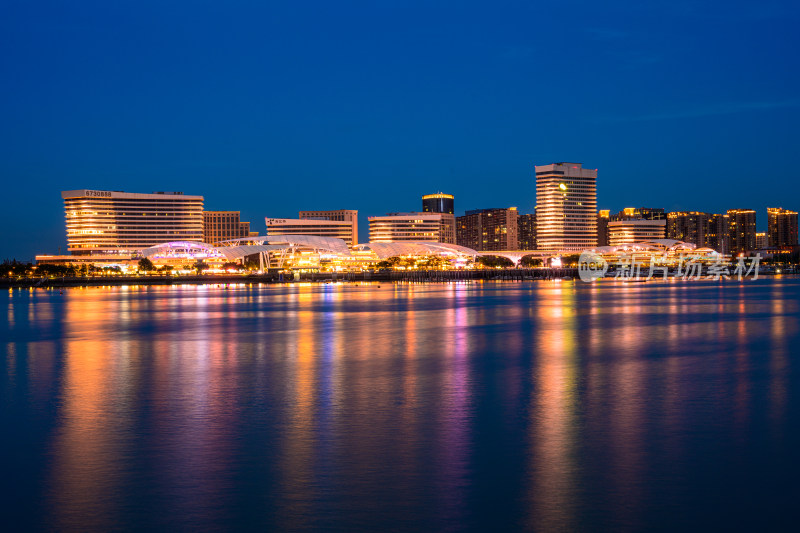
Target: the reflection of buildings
(742, 230)
(341, 224)
(221, 226)
(488, 229)
(399, 227)
(634, 230)
(566, 207)
(781, 227)
(122, 222)
(526, 229)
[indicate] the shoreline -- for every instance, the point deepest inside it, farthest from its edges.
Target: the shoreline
(432, 276)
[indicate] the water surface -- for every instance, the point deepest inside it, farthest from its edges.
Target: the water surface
(461, 406)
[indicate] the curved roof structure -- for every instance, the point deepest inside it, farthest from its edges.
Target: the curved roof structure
(385, 250)
(312, 242)
(182, 249)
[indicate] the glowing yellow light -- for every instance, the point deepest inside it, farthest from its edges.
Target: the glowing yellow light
(562, 186)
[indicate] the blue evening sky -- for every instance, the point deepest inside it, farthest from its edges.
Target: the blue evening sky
(273, 107)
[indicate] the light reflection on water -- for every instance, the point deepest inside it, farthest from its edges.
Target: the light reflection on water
(547, 406)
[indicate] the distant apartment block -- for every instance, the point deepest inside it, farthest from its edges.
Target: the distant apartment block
(781, 227)
(526, 231)
(762, 242)
(603, 218)
(742, 230)
(488, 229)
(566, 207)
(103, 222)
(219, 226)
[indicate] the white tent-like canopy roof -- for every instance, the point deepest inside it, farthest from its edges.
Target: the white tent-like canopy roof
(312, 242)
(391, 249)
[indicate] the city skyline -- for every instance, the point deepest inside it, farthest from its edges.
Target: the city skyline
(666, 109)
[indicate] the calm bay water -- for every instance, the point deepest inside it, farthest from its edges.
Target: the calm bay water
(480, 406)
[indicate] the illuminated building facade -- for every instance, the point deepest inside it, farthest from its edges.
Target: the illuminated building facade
(640, 213)
(634, 230)
(762, 242)
(102, 222)
(221, 226)
(438, 203)
(603, 218)
(444, 204)
(399, 227)
(342, 224)
(488, 229)
(566, 207)
(781, 227)
(742, 230)
(526, 231)
(717, 234)
(688, 226)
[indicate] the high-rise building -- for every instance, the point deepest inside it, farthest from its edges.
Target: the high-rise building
(400, 227)
(488, 229)
(438, 203)
(762, 241)
(444, 204)
(688, 226)
(566, 207)
(742, 230)
(219, 226)
(781, 227)
(102, 222)
(341, 224)
(526, 231)
(635, 230)
(603, 218)
(717, 235)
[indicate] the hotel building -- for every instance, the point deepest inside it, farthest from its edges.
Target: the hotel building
(399, 227)
(634, 230)
(341, 224)
(219, 226)
(115, 222)
(742, 230)
(566, 207)
(526, 231)
(488, 229)
(781, 227)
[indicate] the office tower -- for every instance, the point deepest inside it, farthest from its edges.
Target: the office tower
(488, 229)
(102, 222)
(634, 230)
(566, 207)
(438, 203)
(340, 224)
(219, 226)
(742, 230)
(781, 227)
(603, 218)
(526, 231)
(405, 227)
